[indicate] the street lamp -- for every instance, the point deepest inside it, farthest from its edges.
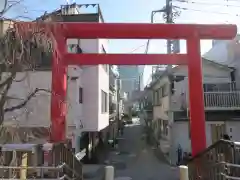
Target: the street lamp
(157, 11)
(152, 21)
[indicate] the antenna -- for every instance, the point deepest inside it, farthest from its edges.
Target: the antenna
(68, 9)
(70, 1)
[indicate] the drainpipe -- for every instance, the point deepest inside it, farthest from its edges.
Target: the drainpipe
(78, 133)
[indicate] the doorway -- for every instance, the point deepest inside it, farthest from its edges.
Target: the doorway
(217, 131)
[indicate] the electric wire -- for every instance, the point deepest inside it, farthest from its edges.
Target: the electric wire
(207, 3)
(206, 11)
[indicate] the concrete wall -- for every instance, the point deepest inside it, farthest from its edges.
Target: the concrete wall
(232, 129)
(181, 135)
(92, 79)
(37, 110)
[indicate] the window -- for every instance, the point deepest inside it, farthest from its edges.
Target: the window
(160, 92)
(209, 87)
(156, 98)
(222, 87)
(165, 128)
(104, 102)
(165, 89)
(80, 95)
(105, 66)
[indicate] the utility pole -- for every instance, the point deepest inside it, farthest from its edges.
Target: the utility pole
(169, 19)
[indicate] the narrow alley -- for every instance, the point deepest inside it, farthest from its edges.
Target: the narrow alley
(135, 160)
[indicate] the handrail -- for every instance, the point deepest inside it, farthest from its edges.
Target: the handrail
(220, 159)
(230, 177)
(221, 141)
(65, 177)
(64, 165)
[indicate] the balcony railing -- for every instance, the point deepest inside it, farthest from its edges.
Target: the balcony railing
(222, 99)
(217, 100)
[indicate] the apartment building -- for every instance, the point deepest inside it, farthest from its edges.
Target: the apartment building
(87, 91)
(170, 120)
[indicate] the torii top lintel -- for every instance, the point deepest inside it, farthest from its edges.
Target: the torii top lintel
(138, 30)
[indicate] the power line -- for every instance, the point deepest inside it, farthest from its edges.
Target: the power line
(135, 49)
(212, 12)
(205, 3)
(233, 0)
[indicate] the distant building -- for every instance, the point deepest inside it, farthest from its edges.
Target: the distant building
(131, 78)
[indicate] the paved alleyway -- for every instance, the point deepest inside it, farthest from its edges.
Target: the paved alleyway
(136, 160)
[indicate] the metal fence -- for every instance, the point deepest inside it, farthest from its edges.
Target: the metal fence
(218, 162)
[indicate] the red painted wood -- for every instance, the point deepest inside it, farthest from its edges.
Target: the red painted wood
(133, 30)
(59, 93)
(125, 59)
(147, 31)
(196, 98)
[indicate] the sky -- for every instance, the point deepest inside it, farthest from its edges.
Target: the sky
(139, 11)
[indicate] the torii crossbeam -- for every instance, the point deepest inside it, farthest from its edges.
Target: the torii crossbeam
(192, 33)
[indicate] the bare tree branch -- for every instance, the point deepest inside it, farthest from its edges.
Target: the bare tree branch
(8, 7)
(22, 104)
(19, 53)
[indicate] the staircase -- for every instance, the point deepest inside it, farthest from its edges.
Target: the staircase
(35, 161)
(220, 161)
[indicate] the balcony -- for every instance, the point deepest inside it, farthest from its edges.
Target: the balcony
(222, 100)
(219, 96)
(217, 100)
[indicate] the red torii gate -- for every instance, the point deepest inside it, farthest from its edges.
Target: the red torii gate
(190, 32)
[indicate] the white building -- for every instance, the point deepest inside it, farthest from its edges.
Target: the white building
(170, 107)
(87, 91)
(87, 95)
